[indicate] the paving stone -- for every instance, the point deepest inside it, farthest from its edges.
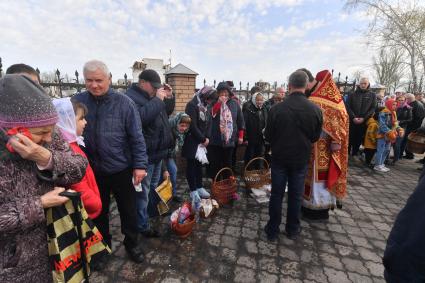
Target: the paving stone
(291, 268)
(332, 261)
(267, 277)
(355, 265)
(336, 276)
(315, 273)
(367, 254)
(243, 275)
(247, 261)
(268, 264)
(376, 269)
(358, 278)
(232, 247)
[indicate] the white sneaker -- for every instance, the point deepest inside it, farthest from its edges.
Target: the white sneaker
(379, 168)
(203, 193)
(385, 168)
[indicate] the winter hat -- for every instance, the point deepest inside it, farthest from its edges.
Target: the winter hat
(224, 85)
(24, 104)
(389, 104)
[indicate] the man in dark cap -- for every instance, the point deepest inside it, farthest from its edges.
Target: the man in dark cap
(149, 94)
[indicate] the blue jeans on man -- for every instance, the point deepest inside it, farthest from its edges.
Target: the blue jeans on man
(150, 182)
(293, 176)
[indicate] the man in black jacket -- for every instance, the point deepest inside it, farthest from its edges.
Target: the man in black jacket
(360, 107)
(404, 256)
(149, 94)
(292, 127)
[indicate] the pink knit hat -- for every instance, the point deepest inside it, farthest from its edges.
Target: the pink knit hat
(24, 104)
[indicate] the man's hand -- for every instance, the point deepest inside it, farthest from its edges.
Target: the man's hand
(356, 121)
(29, 150)
(138, 175)
(240, 141)
(168, 91)
(166, 175)
(361, 120)
(206, 142)
(161, 93)
(53, 198)
(335, 146)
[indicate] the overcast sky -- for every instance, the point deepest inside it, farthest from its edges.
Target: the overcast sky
(241, 40)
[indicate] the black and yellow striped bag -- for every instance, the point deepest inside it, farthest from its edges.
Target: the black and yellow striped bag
(65, 236)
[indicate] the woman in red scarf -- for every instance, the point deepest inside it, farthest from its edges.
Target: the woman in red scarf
(388, 130)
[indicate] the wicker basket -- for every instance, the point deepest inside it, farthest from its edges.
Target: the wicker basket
(224, 190)
(185, 229)
(416, 143)
(255, 179)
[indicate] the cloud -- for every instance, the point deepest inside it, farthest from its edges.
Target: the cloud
(242, 40)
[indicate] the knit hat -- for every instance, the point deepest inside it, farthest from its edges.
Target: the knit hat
(224, 85)
(24, 104)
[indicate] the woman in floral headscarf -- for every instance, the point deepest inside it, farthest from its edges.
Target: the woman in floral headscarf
(227, 129)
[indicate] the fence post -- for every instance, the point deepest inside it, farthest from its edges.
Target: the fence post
(125, 80)
(214, 83)
(1, 70)
(205, 82)
(58, 74)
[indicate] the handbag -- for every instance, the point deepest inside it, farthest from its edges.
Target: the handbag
(165, 193)
(73, 240)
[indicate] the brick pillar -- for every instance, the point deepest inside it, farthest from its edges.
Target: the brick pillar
(184, 88)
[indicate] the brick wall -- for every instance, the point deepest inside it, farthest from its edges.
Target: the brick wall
(184, 88)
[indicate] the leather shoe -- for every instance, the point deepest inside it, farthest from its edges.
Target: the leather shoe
(136, 254)
(294, 235)
(151, 233)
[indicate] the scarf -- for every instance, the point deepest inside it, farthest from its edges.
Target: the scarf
(201, 106)
(67, 121)
(390, 109)
(226, 123)
(254, 101)
(174, 123)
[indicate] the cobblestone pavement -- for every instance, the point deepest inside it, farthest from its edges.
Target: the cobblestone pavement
(232, 247)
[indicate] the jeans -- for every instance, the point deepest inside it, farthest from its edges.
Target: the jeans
(397, 149)
(403, 146)
(281, 175)
(382, 151)
(172, 170)
(121, 186)
(150, 182)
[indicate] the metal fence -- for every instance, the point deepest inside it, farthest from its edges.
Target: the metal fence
(61, 88)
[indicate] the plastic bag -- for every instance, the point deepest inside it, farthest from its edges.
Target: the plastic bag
(201, 154)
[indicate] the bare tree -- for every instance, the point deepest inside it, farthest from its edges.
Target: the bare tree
(397, 25)
(388, 67)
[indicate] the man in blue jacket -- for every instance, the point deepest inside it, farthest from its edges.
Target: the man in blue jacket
(116, 150)
(149, 94)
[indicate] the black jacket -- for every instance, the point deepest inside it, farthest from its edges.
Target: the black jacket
(292, 127)
(418, 114)
(113, 135)
(255, 122)
(404, 116)
(404, 256)
(361, 104)
(199, 129)
(156, 128)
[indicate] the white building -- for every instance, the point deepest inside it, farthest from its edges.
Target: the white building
(149, 63)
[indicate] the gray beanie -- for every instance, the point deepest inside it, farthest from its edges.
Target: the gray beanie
(24, 104)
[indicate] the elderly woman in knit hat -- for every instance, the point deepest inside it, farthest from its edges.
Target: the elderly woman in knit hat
(35, 165)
